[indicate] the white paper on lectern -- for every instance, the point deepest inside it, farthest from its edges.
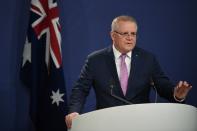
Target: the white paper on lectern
(139, 117)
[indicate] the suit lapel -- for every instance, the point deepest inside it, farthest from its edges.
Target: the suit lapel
(131, 90)
(112, 68)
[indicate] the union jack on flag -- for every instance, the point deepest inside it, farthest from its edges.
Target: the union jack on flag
(48, 23)
(42, 70)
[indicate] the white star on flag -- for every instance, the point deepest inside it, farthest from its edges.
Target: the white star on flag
(57, 97)
(26, 52)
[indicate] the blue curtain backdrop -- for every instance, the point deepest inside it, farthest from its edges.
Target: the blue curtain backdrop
(167, 28)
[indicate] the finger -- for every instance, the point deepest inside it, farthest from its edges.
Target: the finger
(185, 83)
(70, 123)
(189, 86)
(178, 86)
(70, 119)
(180, 83)
(67, 121)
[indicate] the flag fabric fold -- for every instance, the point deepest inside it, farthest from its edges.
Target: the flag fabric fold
(42, 70)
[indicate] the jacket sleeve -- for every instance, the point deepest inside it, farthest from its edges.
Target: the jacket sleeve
(164, 86)
(81, 89)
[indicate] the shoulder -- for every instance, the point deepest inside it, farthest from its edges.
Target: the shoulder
(142, 52)
(100, 53)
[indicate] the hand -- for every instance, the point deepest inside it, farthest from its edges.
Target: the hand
(69, 118)
(181, 90)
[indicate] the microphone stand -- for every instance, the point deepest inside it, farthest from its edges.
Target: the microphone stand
(153, 85)
(117, 97)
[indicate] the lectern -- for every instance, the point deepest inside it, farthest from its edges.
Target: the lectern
(139, 117)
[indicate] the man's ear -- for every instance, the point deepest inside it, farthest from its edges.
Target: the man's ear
(112, 35)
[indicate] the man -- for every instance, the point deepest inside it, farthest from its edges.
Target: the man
(123, 70)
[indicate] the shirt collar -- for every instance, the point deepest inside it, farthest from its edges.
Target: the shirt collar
(117, 53)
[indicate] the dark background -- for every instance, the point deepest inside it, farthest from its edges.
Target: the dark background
(166, 27)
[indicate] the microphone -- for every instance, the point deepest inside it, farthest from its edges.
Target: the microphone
(112, 83)
(153, 85)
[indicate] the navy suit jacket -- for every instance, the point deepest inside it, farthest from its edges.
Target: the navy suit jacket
(100, 69)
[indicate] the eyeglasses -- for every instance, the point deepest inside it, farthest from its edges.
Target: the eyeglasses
(126, 34)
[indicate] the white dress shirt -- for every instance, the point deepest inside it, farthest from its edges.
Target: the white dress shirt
(117, 58)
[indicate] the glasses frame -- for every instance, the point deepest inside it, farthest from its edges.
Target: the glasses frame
(126, 34)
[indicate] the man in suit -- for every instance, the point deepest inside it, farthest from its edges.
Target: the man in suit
(123, 70)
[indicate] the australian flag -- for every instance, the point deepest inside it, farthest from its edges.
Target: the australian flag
(41, 69)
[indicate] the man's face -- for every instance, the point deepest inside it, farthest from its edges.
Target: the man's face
(124, 37)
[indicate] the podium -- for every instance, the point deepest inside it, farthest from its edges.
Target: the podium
(139, 117)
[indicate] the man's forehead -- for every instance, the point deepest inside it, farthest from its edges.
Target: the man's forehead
(127, 25)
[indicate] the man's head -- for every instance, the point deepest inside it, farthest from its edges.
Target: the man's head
(123, 33)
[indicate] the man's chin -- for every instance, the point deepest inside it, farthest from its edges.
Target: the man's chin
(130, 48)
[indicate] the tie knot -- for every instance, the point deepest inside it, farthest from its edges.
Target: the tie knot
(123, 56)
